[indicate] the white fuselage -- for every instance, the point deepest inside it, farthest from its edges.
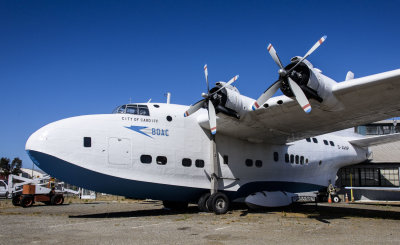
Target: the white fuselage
(117, 159)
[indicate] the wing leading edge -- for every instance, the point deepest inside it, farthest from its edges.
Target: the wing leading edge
(363, 100)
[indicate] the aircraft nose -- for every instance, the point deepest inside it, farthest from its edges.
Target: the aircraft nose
(37, 141)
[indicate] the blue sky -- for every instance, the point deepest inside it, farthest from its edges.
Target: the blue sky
(66, 58)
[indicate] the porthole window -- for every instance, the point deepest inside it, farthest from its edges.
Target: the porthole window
(326, 142)
(145, 159)
(156, 106)
(291, 158)
(249, 162)
(169, 118)
(297, 159)
(258, 163)
(301, 160)
(186, 162)
(226, 159)
(331, 142)
(161, 160)
(276, 156)
(320, 162)
(315, 140)
(306, 160)
(199, 163)
(308, 139)
(286, 157)
(87, 141)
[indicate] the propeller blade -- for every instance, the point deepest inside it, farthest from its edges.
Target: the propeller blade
(313, 48)
(226, 84)
(212, 118)
(300, 96)
(206, 75)
(274, 55)
(266, 95)
(316, 45)
(193, 108)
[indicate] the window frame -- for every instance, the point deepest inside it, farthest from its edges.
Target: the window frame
(188, 164)
(159, 160)
(143, 156)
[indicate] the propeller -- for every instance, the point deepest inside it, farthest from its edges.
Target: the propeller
(207, 101)
(285, 74)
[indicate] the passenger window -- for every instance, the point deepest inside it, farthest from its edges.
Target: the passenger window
(186, 162)
(258, 163)
(249, 162)
(331, 142)
(132, 109)
(161, 160)
(87, 141)
(301, 160)
(308, 139)
(291, 158)
(306, 160)
(199, 163)
(276, 156)
(226, 159)
(315, 140)
(286, 157)
(326, 142)
(297, 159)
(145, 159)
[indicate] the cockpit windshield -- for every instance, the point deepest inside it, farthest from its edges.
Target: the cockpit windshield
(142, 110)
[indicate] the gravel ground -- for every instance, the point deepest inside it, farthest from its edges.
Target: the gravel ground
(146, 222)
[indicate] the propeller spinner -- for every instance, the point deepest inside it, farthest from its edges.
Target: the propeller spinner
(207, 101)
(285, 74)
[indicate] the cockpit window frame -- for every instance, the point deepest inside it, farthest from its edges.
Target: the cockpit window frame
(132, 109)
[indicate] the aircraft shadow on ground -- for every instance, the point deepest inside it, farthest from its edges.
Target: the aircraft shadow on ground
(138, 213)
(320, 213)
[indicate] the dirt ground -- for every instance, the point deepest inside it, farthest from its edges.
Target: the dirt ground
(116, 220)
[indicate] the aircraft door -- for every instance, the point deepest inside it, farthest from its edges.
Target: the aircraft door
(119, 151)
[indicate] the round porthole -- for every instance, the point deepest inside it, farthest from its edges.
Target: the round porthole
(169, 118)
(156, 106)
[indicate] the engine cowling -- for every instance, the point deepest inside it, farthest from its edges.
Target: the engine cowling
(229, 101)
(314, 84)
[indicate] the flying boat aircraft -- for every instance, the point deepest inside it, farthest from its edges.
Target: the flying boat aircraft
(227, 147)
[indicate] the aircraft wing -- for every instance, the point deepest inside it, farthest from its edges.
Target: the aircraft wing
(374, 188)
(364, 100)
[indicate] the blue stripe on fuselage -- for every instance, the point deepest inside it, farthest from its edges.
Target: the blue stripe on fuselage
(92, 180)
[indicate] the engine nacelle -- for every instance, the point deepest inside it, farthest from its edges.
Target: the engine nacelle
(229, 101)
(314, 84)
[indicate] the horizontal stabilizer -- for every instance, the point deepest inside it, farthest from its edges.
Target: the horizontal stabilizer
(374, 188)
(375, 140)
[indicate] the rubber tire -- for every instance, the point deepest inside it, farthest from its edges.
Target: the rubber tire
(16, 200)
(176, 206)
(57, 199)
(202, 203)
(209, 202)
(336, 199)
(220, 203)
(26, 201)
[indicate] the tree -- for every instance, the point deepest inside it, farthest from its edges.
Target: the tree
(16, 165)
(13, 168)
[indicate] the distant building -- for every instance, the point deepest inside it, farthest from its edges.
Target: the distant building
(381, 170)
